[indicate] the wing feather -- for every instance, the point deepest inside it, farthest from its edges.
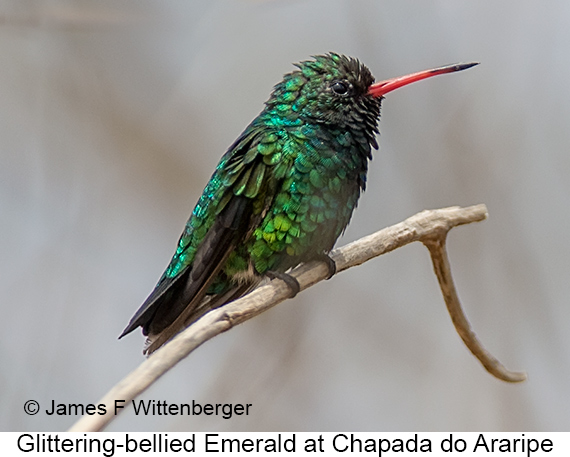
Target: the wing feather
(242, 184)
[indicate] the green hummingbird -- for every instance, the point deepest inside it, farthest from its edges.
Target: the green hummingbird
(281, 195)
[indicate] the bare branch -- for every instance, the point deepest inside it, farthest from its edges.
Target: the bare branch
(443, 272)
(427, 226)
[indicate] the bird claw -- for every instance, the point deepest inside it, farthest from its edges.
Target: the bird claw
(331, 264)
(287, 279)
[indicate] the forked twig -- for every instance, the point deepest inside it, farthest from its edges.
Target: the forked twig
(429, 227)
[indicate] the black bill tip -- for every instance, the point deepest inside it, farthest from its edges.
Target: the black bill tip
(454, 67)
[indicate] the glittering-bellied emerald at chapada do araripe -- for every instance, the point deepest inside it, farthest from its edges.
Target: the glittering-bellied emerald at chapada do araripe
(282, 194)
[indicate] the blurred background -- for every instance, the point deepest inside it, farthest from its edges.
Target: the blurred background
(113, 115)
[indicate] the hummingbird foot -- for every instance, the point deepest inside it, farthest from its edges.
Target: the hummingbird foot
(287, 279)
(331, 265)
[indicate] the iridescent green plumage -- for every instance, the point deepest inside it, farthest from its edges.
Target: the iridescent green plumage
(281, 195)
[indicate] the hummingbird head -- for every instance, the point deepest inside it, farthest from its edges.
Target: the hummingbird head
(331, 89)
(340, 92)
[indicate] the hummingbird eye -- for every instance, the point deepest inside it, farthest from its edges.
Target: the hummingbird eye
(340, 87)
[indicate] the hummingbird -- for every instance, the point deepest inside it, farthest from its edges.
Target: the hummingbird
(281, 195)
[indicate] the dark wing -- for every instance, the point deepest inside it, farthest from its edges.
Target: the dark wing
(235, 198)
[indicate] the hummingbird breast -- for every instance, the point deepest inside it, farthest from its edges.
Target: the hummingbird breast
(319, 175)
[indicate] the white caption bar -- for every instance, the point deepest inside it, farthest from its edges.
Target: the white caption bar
(343, 443)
